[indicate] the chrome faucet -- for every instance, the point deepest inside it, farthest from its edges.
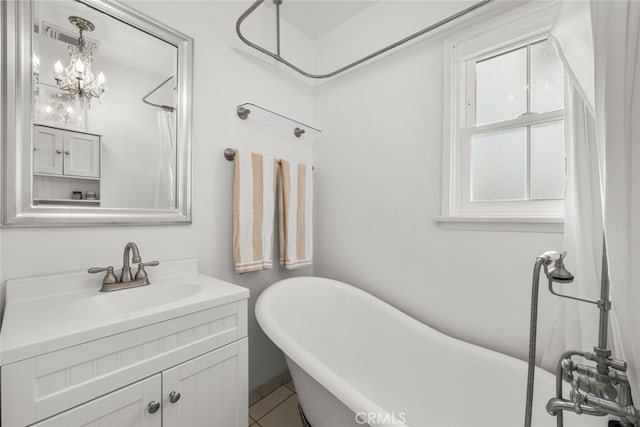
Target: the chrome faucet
(126, 276)
(599, 389)
(127, 280)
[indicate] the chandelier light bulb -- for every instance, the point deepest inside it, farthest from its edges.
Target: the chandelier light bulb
(36, 63)
(80, 66)
(58, 68)
(101, 78)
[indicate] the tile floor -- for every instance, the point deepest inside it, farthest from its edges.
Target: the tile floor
(277, 409)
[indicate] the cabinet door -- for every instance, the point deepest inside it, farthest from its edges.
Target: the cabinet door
(127, 407)
(47, 150)
(213, 390)
(81, 154)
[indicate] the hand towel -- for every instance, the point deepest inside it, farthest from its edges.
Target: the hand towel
(296, 209)
(254, 191)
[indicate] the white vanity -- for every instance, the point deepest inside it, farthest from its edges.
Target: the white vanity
(171, 354)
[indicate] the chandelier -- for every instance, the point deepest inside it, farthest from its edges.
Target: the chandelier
(77, 78)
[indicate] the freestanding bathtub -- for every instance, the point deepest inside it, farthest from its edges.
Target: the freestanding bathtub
(355, 360)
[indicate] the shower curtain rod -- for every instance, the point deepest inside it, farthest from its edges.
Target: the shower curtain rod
(164, 107)
(280, 59)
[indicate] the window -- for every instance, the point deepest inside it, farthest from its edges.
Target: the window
(505, 154)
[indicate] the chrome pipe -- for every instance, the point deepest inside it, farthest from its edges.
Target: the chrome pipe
(604, 299)
(379, 52)
(558, 406)
(609, 407)
(559, 372)
(533, 328)
(278, 3)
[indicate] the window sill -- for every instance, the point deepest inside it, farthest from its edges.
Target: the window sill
(502, 223)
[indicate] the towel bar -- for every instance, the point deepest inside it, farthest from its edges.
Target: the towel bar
(230, 154)
(244, 110)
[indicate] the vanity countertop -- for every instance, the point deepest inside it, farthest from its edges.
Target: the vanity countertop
(47, 313)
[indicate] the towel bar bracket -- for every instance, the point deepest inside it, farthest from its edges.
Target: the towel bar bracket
(230, 154)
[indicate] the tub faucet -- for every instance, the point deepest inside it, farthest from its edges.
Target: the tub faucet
(601, 388)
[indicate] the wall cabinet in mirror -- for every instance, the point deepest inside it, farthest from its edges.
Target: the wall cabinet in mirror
(66, 167)
(98, 125)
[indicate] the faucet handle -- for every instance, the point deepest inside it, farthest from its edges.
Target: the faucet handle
(108, 278)
(149, 264)
(141, 273)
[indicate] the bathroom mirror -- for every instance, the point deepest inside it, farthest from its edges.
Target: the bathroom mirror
(97, 115)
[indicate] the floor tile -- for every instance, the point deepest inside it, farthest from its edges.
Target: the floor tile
(284, 415)
(290, 385)
(273, 384)
(254, 396)
(260, 408)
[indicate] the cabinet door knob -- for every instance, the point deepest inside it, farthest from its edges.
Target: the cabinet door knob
(58, 152)
(174, 396)
(67, 152)
(154, 406)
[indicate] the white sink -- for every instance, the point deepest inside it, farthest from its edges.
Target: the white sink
(130, 301)
(51, 312)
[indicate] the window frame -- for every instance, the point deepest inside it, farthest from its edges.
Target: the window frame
(517, 28)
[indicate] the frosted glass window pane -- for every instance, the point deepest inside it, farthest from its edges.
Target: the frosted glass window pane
(501, 87)
(547, 161)
(547, 78)
(498, 166)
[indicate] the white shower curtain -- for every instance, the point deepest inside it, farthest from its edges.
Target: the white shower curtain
(165, 182)
(603, 160)
(575, 324)
(616, 31)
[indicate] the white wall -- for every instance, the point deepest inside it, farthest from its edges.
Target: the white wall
(379, 185)
(225, 76)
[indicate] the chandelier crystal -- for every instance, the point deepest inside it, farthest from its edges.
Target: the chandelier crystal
(77, 78)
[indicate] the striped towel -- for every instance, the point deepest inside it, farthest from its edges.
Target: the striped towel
(296, 208)
(253, 209)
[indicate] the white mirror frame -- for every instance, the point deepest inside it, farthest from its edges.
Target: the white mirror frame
(16, 125)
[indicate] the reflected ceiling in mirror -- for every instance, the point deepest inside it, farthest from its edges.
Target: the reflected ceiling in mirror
(108, 133)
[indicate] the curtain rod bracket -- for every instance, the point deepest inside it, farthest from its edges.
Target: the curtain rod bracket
(243, 113)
